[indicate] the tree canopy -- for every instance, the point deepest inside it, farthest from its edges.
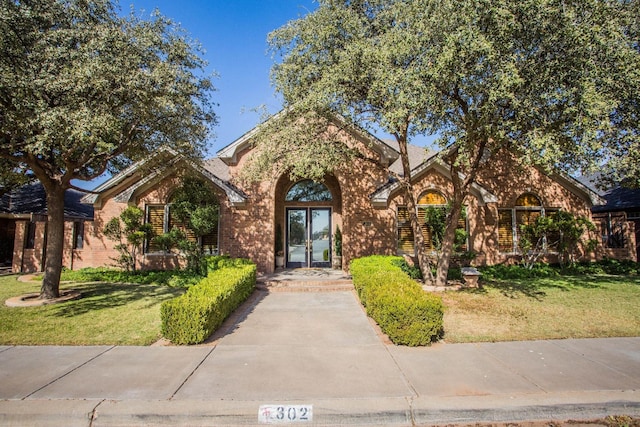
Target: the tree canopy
(555, 82)
(83, 90)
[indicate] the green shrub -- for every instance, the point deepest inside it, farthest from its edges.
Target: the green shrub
(541, 270)
(514, 272)
(174, 278)
(407, 314)
(412, 271)
(194, 316)
(216, 262)
(620, 267)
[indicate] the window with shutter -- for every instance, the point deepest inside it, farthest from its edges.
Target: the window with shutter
(505, 230)
(528, 208)
(405, 233)
(155, 217)
(163, 220)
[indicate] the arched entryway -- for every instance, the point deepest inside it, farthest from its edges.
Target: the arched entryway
(308, 213)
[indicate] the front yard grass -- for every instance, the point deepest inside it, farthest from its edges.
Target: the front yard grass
(107, 313)
(581, 306)
(561, 306)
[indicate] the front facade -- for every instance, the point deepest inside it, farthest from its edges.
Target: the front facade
(299, 220)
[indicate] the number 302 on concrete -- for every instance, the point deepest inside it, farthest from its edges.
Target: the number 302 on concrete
(285, 414)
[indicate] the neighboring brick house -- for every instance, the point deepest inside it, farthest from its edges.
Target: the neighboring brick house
(619, 223)
(362, 198)
(23, 225)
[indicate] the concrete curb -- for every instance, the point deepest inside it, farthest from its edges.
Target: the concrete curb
(353, 412)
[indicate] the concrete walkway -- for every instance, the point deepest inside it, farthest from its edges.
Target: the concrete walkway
(315, 355)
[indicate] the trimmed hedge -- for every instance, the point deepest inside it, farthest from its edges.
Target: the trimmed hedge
(406, 313)
(194, 316)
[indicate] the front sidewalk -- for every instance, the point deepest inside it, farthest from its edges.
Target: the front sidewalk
(318, 349)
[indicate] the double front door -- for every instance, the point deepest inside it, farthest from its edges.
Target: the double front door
(308, 237)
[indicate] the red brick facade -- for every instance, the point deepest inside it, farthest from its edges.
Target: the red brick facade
(249, 215)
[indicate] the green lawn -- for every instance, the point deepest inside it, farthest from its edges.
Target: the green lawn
(544, 308)
(107, 313)
(516, 309)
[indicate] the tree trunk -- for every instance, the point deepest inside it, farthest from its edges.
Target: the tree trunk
(410, 201)
(448, 239)
(55, 242)
(461, 181)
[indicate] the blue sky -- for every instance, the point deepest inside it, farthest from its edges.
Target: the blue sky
(233, 34)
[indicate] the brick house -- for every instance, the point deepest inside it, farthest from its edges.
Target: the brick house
(23, 228)
(618, 222)
(362, 198)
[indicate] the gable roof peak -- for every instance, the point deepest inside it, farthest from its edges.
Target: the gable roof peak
(229, 154)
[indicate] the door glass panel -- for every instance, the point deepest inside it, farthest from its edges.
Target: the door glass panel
(297, 235)
(320, 235)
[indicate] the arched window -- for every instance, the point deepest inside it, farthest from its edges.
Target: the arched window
(432, 206)
(308, 191)
(432, 197)
(528, 207)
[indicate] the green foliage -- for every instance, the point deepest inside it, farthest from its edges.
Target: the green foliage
(407, 314)
(508, 272)
(303, 143)
(167, 241)
(12, 177)
(555, 85)
(410, 270)
(541, 270)
(278, 242)
(196, 206)
(194, 316)
(194, 203)
(108, 94)
(130, 232)
(84, 90)
(436, 220)
(337, 241)
(561, 231)
(110, 275)
(217, 262)
(606, 266)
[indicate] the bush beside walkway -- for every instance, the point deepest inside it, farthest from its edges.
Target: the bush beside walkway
(404, 312)
(194, 316)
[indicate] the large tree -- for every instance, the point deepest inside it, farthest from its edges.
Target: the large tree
(553, 81)
(84, 90)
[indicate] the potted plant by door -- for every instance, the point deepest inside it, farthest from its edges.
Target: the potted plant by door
(279, 250)
(337, 246)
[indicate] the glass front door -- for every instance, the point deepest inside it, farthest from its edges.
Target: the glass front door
(308, 237)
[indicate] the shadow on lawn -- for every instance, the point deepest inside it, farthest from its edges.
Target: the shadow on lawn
(535, 287)
(100, 295)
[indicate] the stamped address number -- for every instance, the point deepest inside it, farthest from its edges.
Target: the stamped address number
(285, 414)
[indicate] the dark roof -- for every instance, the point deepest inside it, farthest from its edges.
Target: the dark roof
(620, 199)
(32, 199)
